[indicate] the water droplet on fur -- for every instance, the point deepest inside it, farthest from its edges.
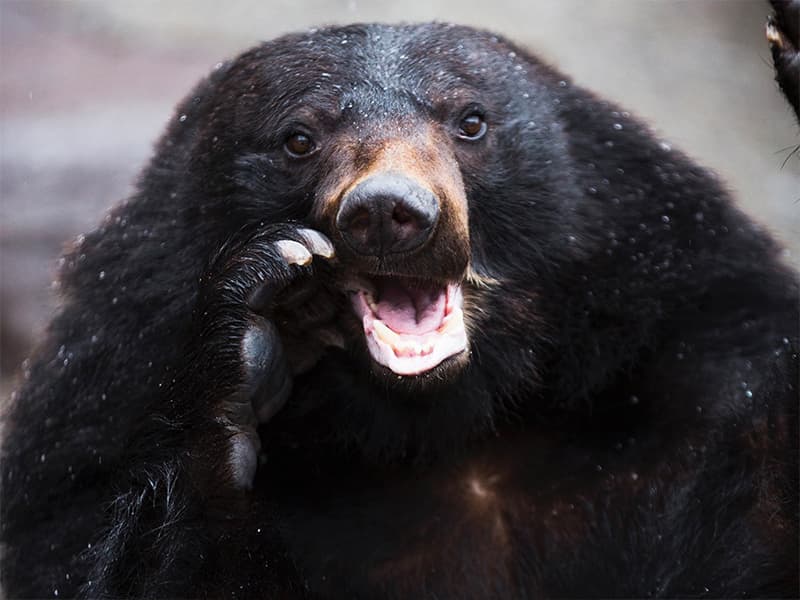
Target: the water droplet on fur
(634, 476)
(665, 147)
(748, 393)
(562, 83)
(665, 218)
(618, 126)
(101, 275)
(182, 118)
(43, 458)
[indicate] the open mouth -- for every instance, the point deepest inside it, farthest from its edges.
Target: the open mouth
(410, 325)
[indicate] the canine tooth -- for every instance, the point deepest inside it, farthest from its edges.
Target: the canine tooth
(386, 334)
(371, 302)
(317, 242)
(293, 252)
(451, 321)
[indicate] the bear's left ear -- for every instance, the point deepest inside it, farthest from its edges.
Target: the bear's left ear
(783, 34)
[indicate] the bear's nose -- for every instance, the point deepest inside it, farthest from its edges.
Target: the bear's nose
(387, 214)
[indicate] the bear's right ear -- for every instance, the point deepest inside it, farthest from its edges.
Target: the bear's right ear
(783, 34)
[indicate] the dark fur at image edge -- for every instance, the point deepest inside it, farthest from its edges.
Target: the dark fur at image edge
(626, 424)
(783, 34)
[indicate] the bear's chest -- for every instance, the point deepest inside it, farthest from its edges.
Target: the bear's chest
(481, 528)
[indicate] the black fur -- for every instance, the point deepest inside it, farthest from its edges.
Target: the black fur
(626, 424)
(783, 33)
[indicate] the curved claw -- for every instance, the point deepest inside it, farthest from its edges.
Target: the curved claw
(317, 242)
(294, 253)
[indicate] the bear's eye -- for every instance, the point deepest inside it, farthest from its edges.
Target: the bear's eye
(299, 144)
(472, 127)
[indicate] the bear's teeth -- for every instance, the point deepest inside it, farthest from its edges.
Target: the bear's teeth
(451, 322)
(385, 333)
(409, 353)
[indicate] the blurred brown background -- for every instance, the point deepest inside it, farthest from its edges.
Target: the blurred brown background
(86, 86)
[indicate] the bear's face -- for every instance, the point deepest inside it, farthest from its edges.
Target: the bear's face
(433, 159)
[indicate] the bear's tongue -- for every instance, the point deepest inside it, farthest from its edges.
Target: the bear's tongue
(406, 309)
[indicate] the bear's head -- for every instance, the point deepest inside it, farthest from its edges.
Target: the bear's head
(434, 158)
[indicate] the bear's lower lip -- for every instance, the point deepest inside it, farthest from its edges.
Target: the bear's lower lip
(410, 326)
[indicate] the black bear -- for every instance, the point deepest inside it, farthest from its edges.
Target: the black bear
(402, 312)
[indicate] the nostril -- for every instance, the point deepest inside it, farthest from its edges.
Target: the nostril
(402, 216)
(359, 220)
(356, 223)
